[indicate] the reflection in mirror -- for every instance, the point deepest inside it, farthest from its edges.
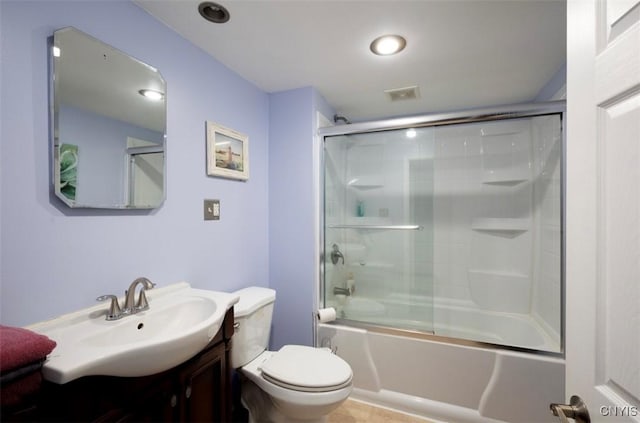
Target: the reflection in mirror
(109, 124)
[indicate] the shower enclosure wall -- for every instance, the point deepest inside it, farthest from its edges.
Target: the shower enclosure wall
(448, 225)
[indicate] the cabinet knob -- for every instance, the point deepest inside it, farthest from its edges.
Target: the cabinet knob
(174, 401)
(187, 392)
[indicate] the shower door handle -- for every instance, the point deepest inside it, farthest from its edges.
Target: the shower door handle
(576, 410)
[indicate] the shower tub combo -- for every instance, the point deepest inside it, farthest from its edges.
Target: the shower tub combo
(442, 255)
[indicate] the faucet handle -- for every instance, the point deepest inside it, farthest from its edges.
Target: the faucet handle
(336, 255)
(143, 304)
(114, 308)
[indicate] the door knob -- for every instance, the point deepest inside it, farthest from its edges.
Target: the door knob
(576, 410)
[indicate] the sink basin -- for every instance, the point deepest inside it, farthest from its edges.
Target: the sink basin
(180, 322)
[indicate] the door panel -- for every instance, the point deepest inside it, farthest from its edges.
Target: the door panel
(618, 358)
(603, 208)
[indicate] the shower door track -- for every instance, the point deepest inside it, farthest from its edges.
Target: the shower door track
(434, 337)
(437, 119)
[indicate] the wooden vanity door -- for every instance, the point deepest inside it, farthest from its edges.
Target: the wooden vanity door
(204, 388)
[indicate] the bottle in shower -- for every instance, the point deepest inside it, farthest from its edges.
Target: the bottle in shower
(360, 209)
(351, 283)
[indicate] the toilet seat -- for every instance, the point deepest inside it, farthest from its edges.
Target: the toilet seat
(307, 369)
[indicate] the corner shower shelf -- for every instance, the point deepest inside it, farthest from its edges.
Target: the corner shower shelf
(365, 183)
(505, 176)
(364, 187)
(506, 182)
(500, 224)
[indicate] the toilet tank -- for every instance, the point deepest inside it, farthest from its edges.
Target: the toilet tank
(252, 315)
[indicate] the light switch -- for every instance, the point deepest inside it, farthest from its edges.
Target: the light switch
(211, 209)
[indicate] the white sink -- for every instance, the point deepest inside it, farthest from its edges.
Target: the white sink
(179, 323)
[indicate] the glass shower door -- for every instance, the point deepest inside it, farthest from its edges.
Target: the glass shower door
(379, 227)
(453, 229)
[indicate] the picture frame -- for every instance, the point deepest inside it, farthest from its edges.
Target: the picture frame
(227, 152)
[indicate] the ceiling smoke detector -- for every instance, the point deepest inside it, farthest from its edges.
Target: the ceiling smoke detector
(406, 93)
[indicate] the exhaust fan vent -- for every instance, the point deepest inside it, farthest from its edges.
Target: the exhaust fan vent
(406, 93)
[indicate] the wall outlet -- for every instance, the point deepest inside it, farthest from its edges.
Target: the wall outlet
(211, 209)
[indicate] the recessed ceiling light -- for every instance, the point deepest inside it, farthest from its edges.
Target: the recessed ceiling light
(213, 12)
(388, 45)
(411, 133)
(151, 94)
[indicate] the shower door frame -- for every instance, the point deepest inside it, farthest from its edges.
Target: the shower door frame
(440, 119)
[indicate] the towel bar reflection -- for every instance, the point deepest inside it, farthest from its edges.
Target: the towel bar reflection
(389, 227)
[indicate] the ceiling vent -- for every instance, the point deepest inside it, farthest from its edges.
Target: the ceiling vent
(406, 93)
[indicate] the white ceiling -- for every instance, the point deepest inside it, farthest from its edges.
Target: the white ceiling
(461, 53)
(95, 77)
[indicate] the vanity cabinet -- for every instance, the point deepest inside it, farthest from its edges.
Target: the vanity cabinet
(198, 390)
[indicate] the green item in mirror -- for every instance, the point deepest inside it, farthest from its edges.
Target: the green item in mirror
(68, 170)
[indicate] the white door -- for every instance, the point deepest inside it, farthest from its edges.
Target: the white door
(603, 208)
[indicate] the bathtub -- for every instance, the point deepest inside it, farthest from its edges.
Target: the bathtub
(452, 319)
(448, 381)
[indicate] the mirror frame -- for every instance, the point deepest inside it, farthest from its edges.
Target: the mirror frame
(54, 142)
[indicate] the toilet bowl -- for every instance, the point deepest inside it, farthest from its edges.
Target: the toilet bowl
(294, 384)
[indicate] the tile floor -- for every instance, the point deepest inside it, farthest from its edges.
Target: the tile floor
(358, 412)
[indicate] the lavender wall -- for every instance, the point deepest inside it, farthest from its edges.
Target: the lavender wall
(102, 145)
(55, 260)
(292, 226)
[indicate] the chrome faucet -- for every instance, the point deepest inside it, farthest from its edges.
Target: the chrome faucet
(130, 304)
(341, 291)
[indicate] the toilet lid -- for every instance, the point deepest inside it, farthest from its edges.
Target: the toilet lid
(307, 369)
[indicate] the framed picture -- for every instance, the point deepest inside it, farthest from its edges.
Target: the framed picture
(227, 152)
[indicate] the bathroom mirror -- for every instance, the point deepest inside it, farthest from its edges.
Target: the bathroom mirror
(108, 113)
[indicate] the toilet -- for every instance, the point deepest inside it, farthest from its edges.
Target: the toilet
(295, 384)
